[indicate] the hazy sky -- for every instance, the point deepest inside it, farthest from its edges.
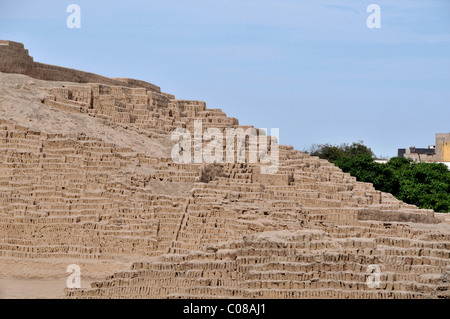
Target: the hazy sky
(311, 68)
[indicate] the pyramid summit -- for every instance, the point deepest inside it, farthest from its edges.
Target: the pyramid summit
(88, 179)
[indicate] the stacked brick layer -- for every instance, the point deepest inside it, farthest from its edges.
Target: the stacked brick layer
(308, 231)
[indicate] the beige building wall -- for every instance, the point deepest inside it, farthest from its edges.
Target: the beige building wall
(446, 152)
(443, 147)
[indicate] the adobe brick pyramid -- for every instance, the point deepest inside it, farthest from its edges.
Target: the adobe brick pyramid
(87, 178)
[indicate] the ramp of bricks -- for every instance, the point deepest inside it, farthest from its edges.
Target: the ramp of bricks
(308, 231)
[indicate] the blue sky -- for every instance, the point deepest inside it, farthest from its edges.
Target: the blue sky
(311, 68)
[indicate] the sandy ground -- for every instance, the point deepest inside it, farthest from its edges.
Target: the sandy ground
(17, 288)
(46, 278)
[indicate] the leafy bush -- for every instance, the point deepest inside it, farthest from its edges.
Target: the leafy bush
(333, 153)
(365, 169)
(426, 185)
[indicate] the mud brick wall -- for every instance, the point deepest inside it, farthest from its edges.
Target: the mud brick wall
(308, 231)
(14, 58)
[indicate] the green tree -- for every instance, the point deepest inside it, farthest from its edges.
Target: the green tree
(426, 185)
(365, 169)
(333, 153)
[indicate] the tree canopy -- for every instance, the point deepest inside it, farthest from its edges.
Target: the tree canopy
(333, 153)
(426, 185)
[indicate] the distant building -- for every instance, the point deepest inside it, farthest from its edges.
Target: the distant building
(434, 153)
